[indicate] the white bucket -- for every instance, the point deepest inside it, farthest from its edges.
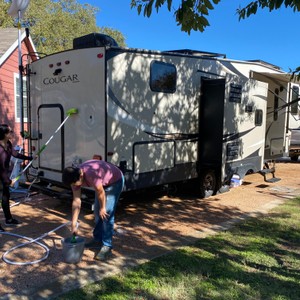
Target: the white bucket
(72, 251)
(235, 181)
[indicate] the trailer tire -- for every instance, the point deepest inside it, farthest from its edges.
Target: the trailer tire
(208, 183)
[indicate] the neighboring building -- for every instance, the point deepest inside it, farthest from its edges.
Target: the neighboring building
(9, 78)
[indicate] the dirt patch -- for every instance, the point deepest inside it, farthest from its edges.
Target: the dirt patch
(146, 226)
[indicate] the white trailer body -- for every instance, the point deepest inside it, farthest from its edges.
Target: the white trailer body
(163, 117)
(293, 125)
(294, 108)
(285, 109)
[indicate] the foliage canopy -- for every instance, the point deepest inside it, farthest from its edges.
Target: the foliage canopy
(54, 24)
(193, 14)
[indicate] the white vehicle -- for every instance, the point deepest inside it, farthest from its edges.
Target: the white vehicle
(163, 117)
(286, 107)
(293, 128)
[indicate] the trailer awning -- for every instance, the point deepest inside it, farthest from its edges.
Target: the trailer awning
(279, 77)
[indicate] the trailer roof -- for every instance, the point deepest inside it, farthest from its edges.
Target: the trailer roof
(265, 63)
(197, 53)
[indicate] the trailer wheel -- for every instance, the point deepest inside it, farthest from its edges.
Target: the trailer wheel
(208, 183)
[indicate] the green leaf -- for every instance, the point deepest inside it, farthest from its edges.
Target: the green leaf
(271, 5)
(203, 21)
(139, 9)
(158, 4)
(254, 9)
(148, 10)
(278, 3)
(208, 4)
(297, 6)
(203, 10)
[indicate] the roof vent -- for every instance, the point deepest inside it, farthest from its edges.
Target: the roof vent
(94, 40)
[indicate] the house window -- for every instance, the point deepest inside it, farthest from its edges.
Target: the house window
(18, 99)
(295, 96)
(162, 77)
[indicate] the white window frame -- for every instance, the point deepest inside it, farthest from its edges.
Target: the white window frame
(295, 114)
(17, 97)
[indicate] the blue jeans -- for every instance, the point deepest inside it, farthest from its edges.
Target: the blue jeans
(104, 229)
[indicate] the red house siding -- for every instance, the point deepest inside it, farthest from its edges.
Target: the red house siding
(7, 93)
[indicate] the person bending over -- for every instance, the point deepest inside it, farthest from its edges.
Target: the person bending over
(107, 180)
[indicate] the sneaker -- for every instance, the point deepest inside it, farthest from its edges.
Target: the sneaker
(104, 253)
(12, 222)
(93, 244)
(1, 229)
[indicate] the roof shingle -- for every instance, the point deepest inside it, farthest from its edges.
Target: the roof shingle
(8, 36)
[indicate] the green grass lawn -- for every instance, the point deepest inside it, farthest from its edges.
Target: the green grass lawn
(257, 259)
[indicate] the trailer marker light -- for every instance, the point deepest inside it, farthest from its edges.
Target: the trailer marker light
(97, 156)
(67, 62)
(100, 55)
(51, 66)
(58, 64)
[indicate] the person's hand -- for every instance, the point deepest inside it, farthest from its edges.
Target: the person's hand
(32, 157)
(13, 181)
(74, 229)
(103, 214)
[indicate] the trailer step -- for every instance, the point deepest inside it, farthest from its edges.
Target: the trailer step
(266, 171)
(272, 180)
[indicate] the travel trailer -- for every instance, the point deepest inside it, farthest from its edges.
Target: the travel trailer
(286, 106)
(293, 128)
(162, 117)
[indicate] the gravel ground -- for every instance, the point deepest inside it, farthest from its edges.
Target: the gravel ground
(147, 226)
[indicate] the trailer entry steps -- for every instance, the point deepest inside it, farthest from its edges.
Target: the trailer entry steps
(266, 171)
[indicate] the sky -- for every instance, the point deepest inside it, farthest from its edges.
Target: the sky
(271, 37)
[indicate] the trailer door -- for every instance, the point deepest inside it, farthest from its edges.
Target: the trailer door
(211, 116)
(49, 119)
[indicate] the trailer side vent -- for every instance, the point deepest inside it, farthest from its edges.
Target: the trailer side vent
(94, 40)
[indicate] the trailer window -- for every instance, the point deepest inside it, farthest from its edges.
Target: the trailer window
(162, 77)
(258, 117)
(276, 103)
(295, 96)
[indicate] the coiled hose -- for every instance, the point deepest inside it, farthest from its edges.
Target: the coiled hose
(30, 241)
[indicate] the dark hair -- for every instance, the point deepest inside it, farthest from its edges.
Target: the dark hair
(4, 129)
(70, 175)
